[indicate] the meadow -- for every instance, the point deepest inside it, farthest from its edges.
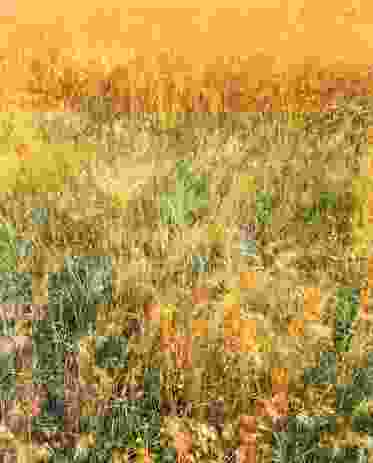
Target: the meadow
(185, 258)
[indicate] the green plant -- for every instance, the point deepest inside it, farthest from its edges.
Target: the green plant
(327, 202)
(111, 352)
(248, 248)
(190, 194)
(7, 376)
(352, 399)
(39, 215)
(81, 286)
(263, 207)
(312, 215)
(303, 436)
(326, 373)
(16, 288)
(301, 442)
(346, 311)
(199, 264)
(361, 409)
(74, 292)
(8, 248)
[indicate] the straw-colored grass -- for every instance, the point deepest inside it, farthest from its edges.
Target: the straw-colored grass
(284, 296)
(160, 194)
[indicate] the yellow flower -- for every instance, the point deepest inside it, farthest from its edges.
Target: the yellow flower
(231, 298)
(168, 311)
(216, 233)
(120, 199)
(167, 120)
(264, 343)
(370, 134)
(143, 456)
(247, 183)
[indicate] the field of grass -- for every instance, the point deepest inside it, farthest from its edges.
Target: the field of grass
(183, 268)
(185, 265)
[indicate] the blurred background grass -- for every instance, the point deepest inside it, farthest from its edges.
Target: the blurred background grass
(293, 52)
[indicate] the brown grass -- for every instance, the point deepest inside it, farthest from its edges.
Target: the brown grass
(286, 293)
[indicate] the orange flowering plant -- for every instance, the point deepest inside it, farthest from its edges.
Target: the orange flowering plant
(183, 446)
(276, 408)
(364, 311)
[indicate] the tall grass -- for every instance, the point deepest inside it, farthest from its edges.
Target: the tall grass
(184, 258)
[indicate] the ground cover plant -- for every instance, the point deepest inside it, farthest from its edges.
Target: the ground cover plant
(173, 278)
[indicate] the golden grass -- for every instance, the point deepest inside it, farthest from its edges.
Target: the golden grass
(268, 297)
(286, 307)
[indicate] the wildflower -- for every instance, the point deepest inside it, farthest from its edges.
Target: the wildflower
(23, 151)
(276, 408)
(143, 456)
(168, 311)
(200, 328)
(182, 347)
(167, 331)
(247, 448)
(247, 453)
(247, 184)
(364, 315)
(312, 304)
(200, 295)
(364, 312)
(296, 327)
(183, 445)
(216, 233)
(35, 407)
(247, 280)
(232, 344)
(152, 311)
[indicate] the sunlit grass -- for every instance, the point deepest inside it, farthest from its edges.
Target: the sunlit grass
(175, 261)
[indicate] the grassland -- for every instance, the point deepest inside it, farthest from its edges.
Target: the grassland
(187, 253)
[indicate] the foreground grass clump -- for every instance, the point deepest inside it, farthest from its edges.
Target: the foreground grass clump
(174, 320)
